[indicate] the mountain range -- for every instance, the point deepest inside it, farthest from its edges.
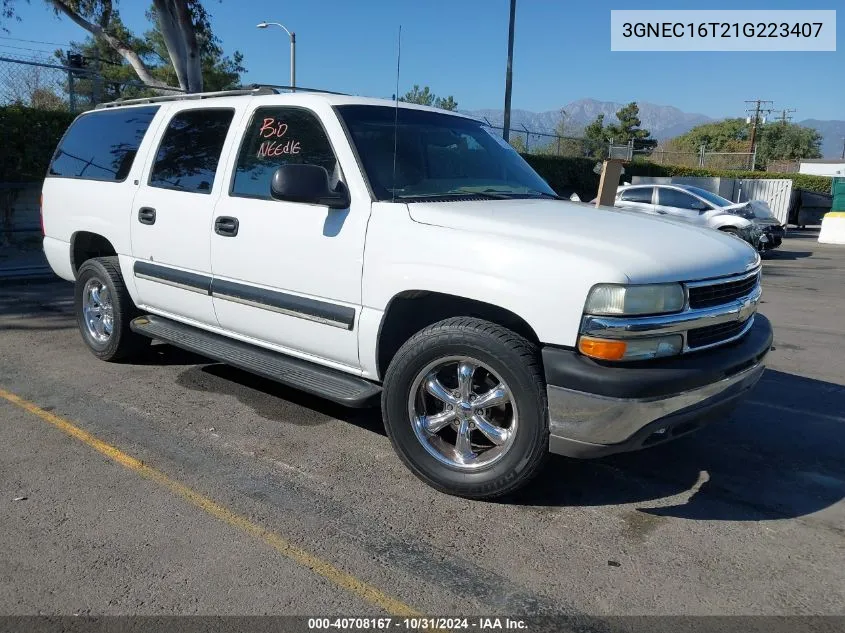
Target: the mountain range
(664, 122)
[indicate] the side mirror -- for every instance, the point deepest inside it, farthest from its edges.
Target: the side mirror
(309, 184)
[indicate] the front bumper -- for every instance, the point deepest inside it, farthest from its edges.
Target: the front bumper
(765, 236)
(599, 409)
(774, 235)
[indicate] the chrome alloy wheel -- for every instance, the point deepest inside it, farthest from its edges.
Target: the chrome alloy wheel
(97, 310)
(462, 413)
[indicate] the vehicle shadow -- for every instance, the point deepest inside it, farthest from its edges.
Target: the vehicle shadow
(274, 401)
(36, 306)
(164, 354)
(779, 455)
(785, 255)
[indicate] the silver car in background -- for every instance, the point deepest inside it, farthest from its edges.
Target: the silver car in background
(752, 221)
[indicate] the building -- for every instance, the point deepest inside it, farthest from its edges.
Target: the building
(822, 166)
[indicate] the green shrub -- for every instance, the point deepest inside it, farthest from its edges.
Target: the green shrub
(29, 138)
(565, 174)
(820, 184)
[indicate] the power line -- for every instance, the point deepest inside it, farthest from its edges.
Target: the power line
(786, 115)
(760, 106)
(24, 48)
(18, 39)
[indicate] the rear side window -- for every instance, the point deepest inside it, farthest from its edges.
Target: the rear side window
(280, 136)
(102, 145)
(190, 150)
(638, 194)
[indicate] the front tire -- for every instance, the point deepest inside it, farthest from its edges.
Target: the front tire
(104, 309)
(464, 404)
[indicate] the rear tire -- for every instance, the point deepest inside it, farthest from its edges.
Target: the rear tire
(104, 309)
(450, 443)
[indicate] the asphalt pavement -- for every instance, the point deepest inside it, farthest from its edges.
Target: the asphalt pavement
(174, 485)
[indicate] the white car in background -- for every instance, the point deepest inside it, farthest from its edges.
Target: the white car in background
(752, 221)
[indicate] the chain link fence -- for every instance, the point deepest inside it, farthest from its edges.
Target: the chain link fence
(549, 144)
(47, 83)
(546, 143)
(701, 159)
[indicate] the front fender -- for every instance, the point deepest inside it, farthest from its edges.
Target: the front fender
(724, 220)
(544, 286)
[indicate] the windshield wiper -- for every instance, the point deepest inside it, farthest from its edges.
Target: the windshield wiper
(450, 194)
(490, 194)
(551, 196)
(497, 194)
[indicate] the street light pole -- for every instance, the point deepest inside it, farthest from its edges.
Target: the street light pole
(292, 36)
(506, 132)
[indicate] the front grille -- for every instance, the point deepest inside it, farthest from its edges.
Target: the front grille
(712, 334)
(721, 293)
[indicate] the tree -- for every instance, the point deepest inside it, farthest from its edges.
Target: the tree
(518, 144)
(446, 103)
(628, 129)
(183, 25)
(566, 144)
(779, 141)
(596, 138)
(775, 141)
(730, 135)
(421, 97)
(424, 96)
(116, 76)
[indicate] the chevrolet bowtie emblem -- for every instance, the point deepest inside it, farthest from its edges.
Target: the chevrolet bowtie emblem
(746, 309)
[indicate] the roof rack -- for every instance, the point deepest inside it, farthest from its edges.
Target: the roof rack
(252, 90)
(298, 89)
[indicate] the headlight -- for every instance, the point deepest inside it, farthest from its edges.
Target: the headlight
(631, 349)
(613, 299)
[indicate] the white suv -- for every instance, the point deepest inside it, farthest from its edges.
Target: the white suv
(357, 249)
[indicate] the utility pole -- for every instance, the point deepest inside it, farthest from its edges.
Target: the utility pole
(843, 149)
(506, 132)
(786, 115)
(759, 107)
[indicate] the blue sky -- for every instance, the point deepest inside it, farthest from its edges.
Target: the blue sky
(562, 53)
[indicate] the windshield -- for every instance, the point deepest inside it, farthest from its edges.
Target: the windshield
(712, 198)
(437, 155)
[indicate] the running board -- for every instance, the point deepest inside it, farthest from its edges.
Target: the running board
(331, 384)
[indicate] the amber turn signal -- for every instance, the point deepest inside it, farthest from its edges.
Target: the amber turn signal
(602, 349)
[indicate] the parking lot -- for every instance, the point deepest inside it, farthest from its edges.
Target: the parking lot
(178, 486)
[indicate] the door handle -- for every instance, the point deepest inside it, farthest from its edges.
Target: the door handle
(226, 226)
(147, 215)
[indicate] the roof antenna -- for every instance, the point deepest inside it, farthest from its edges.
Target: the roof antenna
(396, 115)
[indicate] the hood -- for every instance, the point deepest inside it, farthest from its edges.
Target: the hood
(760, 212)
(644, 248)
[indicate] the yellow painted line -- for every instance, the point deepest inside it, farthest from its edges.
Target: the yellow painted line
(835, 214)
(287, 549)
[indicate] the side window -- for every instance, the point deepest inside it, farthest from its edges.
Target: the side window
(102, 145)
(190, 150)
(637, 194)
(280, 136)
(678, 199)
